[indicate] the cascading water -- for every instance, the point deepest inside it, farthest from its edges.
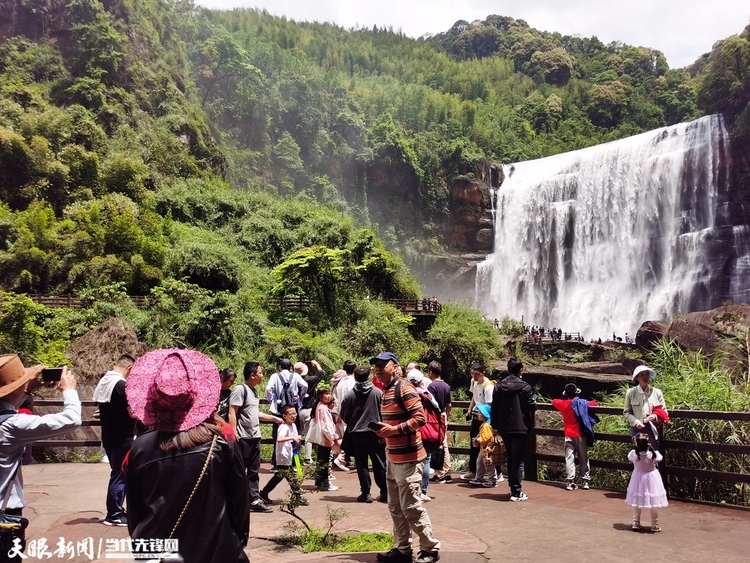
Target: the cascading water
(600, 240)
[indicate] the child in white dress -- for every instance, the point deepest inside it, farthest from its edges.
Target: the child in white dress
(646, 489)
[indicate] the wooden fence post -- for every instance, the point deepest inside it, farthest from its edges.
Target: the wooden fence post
(530, 472)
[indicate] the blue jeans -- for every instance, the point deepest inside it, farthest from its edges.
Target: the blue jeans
(116, 487)
(426, 474)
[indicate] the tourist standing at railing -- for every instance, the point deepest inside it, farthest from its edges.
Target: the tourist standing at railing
(481, 389)
(513, 407)
(442, 393)
(18, 431)
(579, 429)
(645, 408)
(118, 428)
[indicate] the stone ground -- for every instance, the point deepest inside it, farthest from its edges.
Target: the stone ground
(473, 524)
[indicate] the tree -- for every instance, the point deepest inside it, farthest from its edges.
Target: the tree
(319, 273)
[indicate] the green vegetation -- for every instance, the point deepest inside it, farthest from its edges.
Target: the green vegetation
(218, 162)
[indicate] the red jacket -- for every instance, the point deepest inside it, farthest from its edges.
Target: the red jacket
(570, 422)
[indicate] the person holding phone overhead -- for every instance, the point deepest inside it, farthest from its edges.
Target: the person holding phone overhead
(20, 430)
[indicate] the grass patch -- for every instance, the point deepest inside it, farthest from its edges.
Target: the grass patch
(315, 540)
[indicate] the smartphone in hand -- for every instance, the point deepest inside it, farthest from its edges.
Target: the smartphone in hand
(50, 375)
(375, 426)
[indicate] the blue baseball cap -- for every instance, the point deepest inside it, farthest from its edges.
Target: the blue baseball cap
(386, 357)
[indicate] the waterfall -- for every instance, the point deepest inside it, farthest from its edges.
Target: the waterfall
(601, 239)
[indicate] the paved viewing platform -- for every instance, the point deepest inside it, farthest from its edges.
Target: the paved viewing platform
(474, 524)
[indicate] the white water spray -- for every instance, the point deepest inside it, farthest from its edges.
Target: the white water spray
(600, 240)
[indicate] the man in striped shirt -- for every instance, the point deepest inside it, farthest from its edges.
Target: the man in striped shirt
(402, 415)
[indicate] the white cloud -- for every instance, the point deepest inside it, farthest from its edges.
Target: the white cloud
(682, 29)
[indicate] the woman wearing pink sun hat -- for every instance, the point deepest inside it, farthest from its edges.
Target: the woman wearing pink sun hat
(185, 478)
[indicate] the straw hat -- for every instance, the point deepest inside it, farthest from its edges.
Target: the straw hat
(173, 390)
(301, 368)
(13, 375)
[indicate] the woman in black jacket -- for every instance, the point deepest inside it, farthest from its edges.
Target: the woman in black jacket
(185, 477)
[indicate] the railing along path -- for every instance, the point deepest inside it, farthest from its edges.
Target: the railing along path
(533, 456)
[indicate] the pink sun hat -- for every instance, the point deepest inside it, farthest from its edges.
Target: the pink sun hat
(173, 390)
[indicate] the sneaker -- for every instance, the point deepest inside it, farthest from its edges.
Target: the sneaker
(338, 462)
(446, 479)
(329, 488)
(655, 527)
(490, 484)
(427, 557)
(520, 497)
(394, 556)
(500, 477)
(120, 521)
(636, 526)
(585, 486)
(475, 482)
(424, 498)
(264, 497)
(468, 476)
(260, 506)
(571, 487)
(365, 497)
(303, 501)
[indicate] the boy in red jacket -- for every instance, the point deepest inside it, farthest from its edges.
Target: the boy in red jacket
(575, 442)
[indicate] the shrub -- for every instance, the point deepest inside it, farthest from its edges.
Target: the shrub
(460, 337)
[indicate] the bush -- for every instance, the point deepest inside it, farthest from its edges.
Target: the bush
(460, 337)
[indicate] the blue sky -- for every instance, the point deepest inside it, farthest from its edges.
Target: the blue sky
(682, 29)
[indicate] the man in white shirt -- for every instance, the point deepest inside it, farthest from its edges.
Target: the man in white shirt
(481, 390)
(18, 431)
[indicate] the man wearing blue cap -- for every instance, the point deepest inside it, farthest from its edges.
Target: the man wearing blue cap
(402, 415)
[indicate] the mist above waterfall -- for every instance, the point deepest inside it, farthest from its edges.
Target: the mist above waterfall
(600, 240)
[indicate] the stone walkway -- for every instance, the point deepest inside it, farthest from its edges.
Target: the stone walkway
(474, 524)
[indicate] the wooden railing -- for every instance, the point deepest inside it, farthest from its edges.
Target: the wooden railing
(546, 339)
(71, 302)
(533, 457)
(411, 306)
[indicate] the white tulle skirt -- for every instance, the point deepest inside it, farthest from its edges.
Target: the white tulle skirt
(646, 490)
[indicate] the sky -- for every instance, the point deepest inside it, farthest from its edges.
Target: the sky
(682, 29)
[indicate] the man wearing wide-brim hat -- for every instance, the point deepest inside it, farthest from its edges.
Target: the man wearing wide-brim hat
(18, 431)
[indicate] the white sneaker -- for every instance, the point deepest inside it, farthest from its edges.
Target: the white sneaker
(522, 496)
(500, 478)
(468, 476)
(425, 498)
(338, 462)
(329, 488)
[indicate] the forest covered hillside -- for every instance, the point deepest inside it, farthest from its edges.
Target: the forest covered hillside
(216, 161)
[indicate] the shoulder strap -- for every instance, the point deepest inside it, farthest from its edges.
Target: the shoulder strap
(397, 393)
(192, 493)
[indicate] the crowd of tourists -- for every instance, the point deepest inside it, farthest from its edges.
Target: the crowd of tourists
(192, 471)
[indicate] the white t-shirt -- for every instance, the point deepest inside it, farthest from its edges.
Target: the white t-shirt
(482, 392)
(285, 450)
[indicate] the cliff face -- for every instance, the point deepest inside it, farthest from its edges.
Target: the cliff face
(471, 228)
